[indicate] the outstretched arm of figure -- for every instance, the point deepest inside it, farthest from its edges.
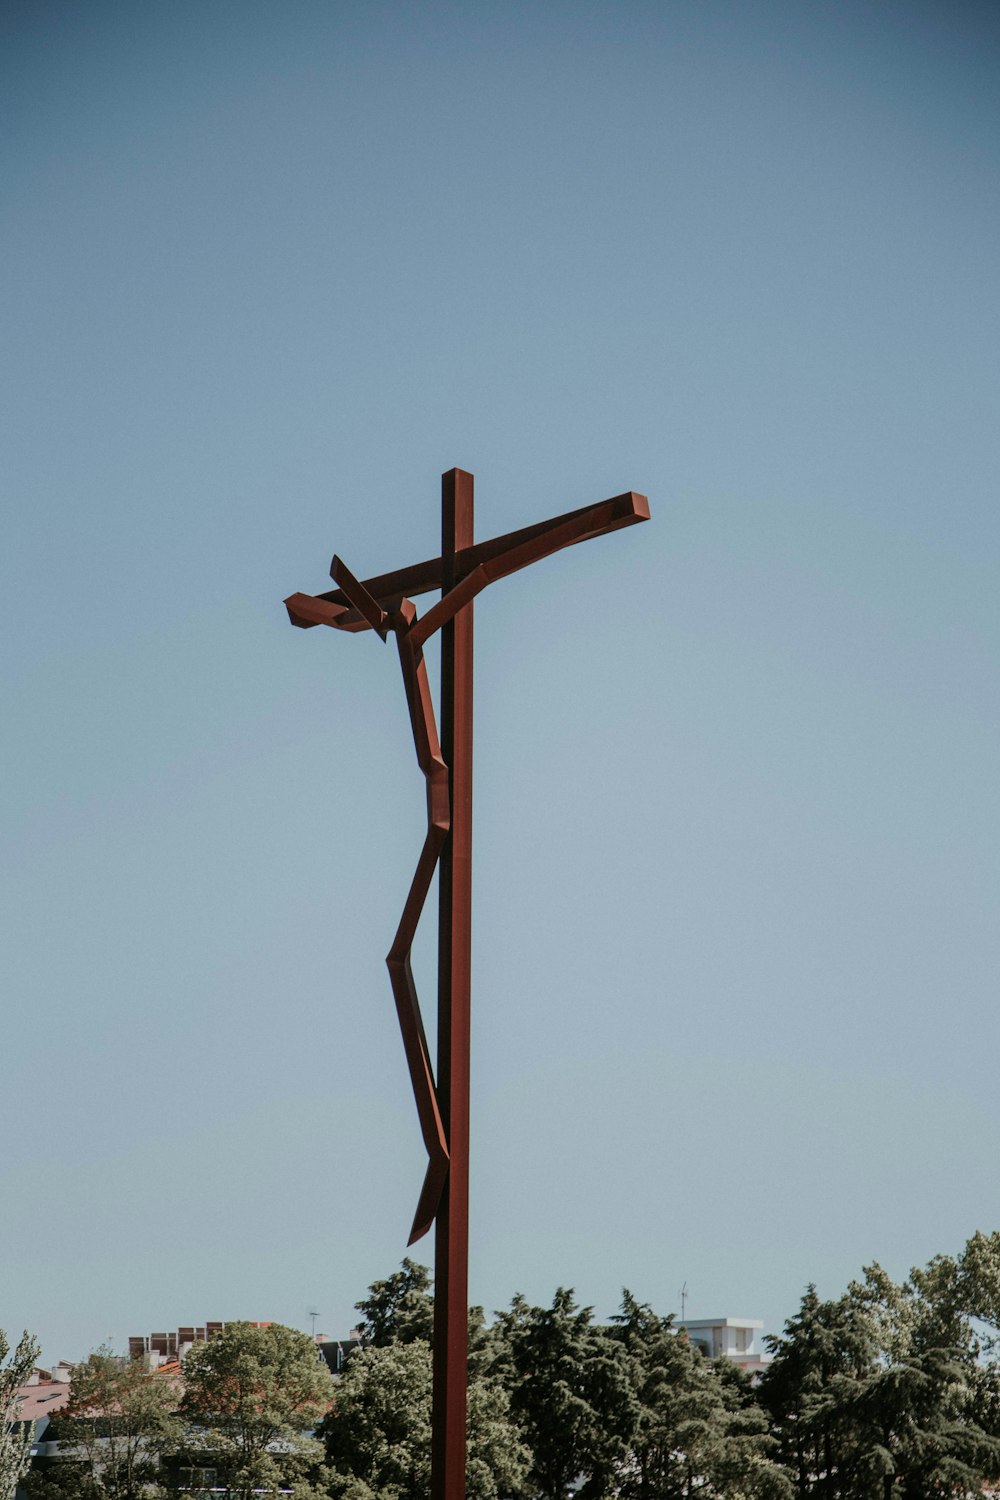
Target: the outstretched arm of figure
(561, 533)
(500, 555)
(313, 609)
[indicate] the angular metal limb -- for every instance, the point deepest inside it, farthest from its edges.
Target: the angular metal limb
(575, 529)
(307, 610)
(368, 607)
(425, 739)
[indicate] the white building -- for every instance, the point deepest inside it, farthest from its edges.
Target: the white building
(738, 1339)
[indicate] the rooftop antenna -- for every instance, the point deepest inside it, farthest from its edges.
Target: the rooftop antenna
(313, 1314)
(683, 1295)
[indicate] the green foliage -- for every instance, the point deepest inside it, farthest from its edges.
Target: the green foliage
(113, 1432)
(883, 1393)
(15, 1436)
(746, 1466)
(378, 1435)
(498, 1458)
(379, 1431)
(914, 1416)
(571, 1394)
(888, 1392)
(252, 1395)
(399, 1309)
(828, 1345)
(62, 1479)
(699, 1426)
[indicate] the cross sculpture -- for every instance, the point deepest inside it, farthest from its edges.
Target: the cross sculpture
(383, 604)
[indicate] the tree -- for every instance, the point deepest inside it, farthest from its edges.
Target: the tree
(398, 1309)
(883, 1394)
(113, 1431)
(253, 1396)
(498, 1459)
(977, 1278)
(746, 1467)
(915, 1420)
(16, 1437)
(828, 1350)
(570, 1392)
(680, 1415)
(379, 1430)
(700, 1429)
(378, 1435)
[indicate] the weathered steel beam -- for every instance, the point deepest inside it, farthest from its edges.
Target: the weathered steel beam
(464, 568)
(530, 543)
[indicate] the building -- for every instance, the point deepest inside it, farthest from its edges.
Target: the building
(165, 1348)
(44, 1392)
(738, 1339)
(337, 1351)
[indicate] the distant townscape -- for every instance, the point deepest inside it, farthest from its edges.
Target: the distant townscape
(46, 1392)
(890, 1391)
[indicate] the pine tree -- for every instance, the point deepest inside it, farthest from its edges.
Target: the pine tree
(700, 1429)
(826, 1351)
(398, 1309)
(571, 1393)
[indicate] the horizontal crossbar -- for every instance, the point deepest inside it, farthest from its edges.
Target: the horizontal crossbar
(506, 553)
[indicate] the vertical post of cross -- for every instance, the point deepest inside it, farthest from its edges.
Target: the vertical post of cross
(451, 1248)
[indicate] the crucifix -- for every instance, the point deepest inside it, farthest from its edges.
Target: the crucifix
(384, 604)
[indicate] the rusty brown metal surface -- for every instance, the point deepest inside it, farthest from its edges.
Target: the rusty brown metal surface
(425, 739)
(366, 606)
(451, 1248)
(382, 604)
(419, 578)
(306, 610)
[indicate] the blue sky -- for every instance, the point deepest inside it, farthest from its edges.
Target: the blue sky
(270, 269)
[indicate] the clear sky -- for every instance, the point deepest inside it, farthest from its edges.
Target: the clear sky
(268, 270)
